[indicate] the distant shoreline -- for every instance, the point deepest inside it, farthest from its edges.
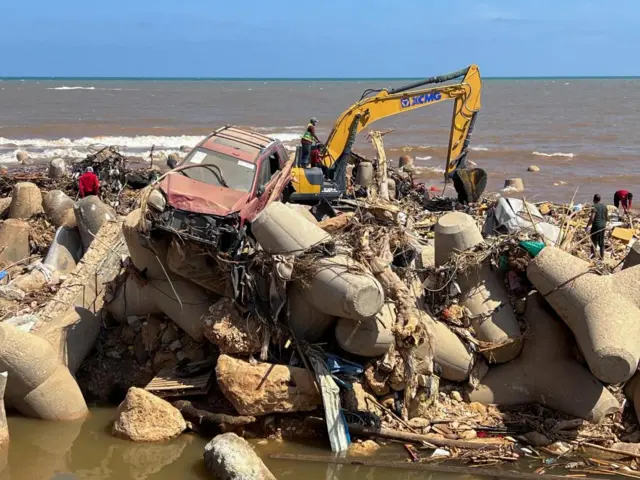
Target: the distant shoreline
(311, 79)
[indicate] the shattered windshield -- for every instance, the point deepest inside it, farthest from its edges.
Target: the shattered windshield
(237, 173)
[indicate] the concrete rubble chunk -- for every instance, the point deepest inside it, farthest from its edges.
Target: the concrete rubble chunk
(280, 229)
(353, 291)
(230, 331)
(603, 311)
(26, 201)
(91, 214)
(230, 457)
(14, 237)
(57, 168)
(368, 338)
(483, 293)
(571, 389)
(143, 417)
(266, 388)
(307, 322)
(39, 385)
(58, 207)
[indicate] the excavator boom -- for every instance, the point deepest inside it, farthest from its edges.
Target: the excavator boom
(466, 96)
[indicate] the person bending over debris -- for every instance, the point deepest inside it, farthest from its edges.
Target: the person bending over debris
(623, 197)
(307, 140)
(598, 222)
(88, 183)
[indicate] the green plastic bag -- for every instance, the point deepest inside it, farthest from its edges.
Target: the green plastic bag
(534, 248)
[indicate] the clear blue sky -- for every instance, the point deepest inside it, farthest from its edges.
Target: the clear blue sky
(325, 38)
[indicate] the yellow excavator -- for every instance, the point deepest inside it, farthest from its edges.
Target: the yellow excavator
(329, 181)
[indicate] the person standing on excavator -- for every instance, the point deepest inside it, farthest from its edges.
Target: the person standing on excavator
(307, 141)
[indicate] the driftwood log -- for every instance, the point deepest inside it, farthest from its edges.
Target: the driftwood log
(209, 423)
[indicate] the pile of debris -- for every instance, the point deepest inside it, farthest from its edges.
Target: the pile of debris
(481, 332)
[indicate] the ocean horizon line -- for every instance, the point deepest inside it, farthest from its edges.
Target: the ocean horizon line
(303, 79)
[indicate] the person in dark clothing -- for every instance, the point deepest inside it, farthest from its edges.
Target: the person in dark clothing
(88, 184)
(623, 197)
(598, 222)
(307, 141)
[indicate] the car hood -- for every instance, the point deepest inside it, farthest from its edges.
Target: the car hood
(191, 195)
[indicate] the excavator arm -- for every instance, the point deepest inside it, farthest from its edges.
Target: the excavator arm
(377, 104)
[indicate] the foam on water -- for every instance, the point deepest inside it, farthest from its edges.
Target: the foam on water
(479, 149)
(555, 154)
(64, 87)
(428, 157)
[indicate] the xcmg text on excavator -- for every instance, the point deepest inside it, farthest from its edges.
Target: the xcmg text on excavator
(309, 184)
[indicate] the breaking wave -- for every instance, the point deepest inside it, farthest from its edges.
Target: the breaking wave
(64, 87)
(479, 149)
(555, 154)
(428, 157)
(142, 141)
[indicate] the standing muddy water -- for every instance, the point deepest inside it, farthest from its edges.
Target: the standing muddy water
(579, 131)
(75, 450)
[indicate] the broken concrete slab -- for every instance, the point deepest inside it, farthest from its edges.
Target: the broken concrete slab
(368, 338)
(38, 385)
(230, 457)
(280, 229)
(603, 311)
(307, 323)
(143, 417)
(483, 293)
(58, 207)
(91, 214)
(264, 388)
(571, 389)
(353, 291)
(14, 241)
(230, 331)
(26, 201)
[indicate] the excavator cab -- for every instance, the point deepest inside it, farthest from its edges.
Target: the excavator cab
(313, 183)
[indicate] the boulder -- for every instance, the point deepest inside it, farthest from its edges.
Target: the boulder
(58, 207)
(39, 385)
(14, 241)
(368, 338)
(571, 389)
(143, 417)
(405, 160)
(357, 399)
(22, 157)
(280, 229)
(483, 292)
(57, 168)
(26, 201)
(533, 168)
(364, 448)
(230, 457)
(230, 331)
(603, 311)
(307, 322)
(266, 388)
(91, 214)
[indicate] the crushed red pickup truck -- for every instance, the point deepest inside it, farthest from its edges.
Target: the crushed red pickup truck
(223, 183)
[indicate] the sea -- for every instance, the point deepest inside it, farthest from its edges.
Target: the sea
(581, 132)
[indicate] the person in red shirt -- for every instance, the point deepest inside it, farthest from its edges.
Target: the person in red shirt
(88, 183)
(623, 197)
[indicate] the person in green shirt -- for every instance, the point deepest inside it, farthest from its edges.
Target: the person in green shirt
(598, 223)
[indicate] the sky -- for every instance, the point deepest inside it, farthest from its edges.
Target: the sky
(321, 38)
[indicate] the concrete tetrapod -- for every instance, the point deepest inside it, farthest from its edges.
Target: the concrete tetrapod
(91, 214)
(65, 251)
(368, 338)
(281, 229)
(307, 323)
(58, 207)
(14, 237)
(342, 288)
(603, 311)
(26, 201)
(483, 292)
(39, 385)
(546, 373)
(146, 254)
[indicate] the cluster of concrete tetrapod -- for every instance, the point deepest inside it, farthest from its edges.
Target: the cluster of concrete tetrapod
(39, 358)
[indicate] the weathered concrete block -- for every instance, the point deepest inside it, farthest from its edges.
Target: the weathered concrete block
(146, 254)
(91, 214)
(266, 388)
(483, 293)
(364, 176)
(58, 207)
(26, 201)
(14, 241)
(368, 338)
(307, 322)
(188, 261)
(514, 184)
(353, 291)
(603, 311)
(281, 229)
(57, 168)
(546, 373)
(38, 385)
(230, 457)
(131, 299)
(143, 417)
(633, 257)
(65, 251)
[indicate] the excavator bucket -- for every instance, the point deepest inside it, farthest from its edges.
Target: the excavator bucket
(469, 184)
